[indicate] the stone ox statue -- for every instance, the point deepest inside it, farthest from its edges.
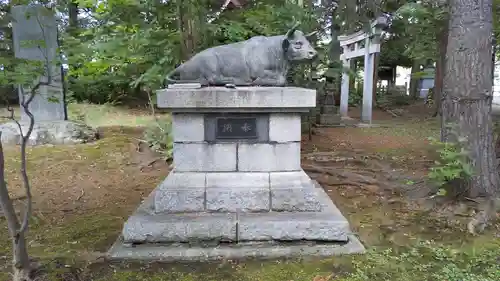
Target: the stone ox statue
(258, 61)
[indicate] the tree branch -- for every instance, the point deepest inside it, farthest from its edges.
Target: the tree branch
(25, 138)
(222, 9)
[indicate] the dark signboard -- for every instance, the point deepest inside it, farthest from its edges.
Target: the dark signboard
(236, 128)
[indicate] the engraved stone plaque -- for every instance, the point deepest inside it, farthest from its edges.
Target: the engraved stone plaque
(236, 128)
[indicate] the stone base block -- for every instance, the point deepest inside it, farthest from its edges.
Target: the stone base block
(271, 157)
(241, 251)
(188, 192)
(181, 192)
(146, 226)
(295, 199)
(180, 200)
(329, 119)
(238, 200)
(330, 109)
(49, 132)
(212, 236)
(292, 226)
(293, 192)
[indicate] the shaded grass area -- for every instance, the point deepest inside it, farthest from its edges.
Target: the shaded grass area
(84, 193)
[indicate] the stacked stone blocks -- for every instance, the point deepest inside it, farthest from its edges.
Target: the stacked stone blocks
(236, 190)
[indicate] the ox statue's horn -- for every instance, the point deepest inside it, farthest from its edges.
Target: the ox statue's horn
(311, 34)
(290, 32)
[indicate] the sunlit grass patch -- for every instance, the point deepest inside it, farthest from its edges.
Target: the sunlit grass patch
(108, 115)
(98, 115)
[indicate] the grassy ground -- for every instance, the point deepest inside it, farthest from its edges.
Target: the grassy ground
(84, 193)
(101, 115)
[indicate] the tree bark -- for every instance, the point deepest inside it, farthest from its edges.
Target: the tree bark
(467, 91)
(414, 80)
(73, 17)
(20, 261)
(187, 21)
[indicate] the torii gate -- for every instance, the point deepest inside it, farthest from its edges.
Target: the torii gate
(355, 45)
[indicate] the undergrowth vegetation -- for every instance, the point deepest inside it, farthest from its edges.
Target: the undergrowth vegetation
(425, 260)
(453, 163)
(158, 136)
(428, 261)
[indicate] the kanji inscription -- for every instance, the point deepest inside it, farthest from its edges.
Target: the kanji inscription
(236, 128)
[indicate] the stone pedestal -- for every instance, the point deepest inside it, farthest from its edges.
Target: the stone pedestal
(237, 188)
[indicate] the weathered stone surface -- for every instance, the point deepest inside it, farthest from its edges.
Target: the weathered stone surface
(264, 157)
(237, 180)
(177, 179)
(289, 179)
(180, 200)
(49, 132)
(39, 26)
(240, 98)
(292, 226)
(293, 192)
(329, 119)
(181, 192)
(295, 199)
(202, 230)
(238, 192)
(144, 228)
(260, 250)
(238, 199)
(330, 109)
(205, 157)
(284, 127)
(187, 127)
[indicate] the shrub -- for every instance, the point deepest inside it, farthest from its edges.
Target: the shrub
(158, 135)
(453, 163)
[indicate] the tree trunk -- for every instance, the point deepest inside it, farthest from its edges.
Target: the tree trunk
(467, 91)
(187, 21)
(376, 62)
(73, 17)
(20, 262)
(414, 80)
(22, 270)
(440, 67)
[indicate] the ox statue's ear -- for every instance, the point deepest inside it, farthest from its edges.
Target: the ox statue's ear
(291, 32)
(309, 35)
(285, 44)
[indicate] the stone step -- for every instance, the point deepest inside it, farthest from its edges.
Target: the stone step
(219, 228)
(236, 192)
(149, 227)
(255, 250)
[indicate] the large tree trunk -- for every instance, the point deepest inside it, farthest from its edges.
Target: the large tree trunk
(467, 91)
(414, 80)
